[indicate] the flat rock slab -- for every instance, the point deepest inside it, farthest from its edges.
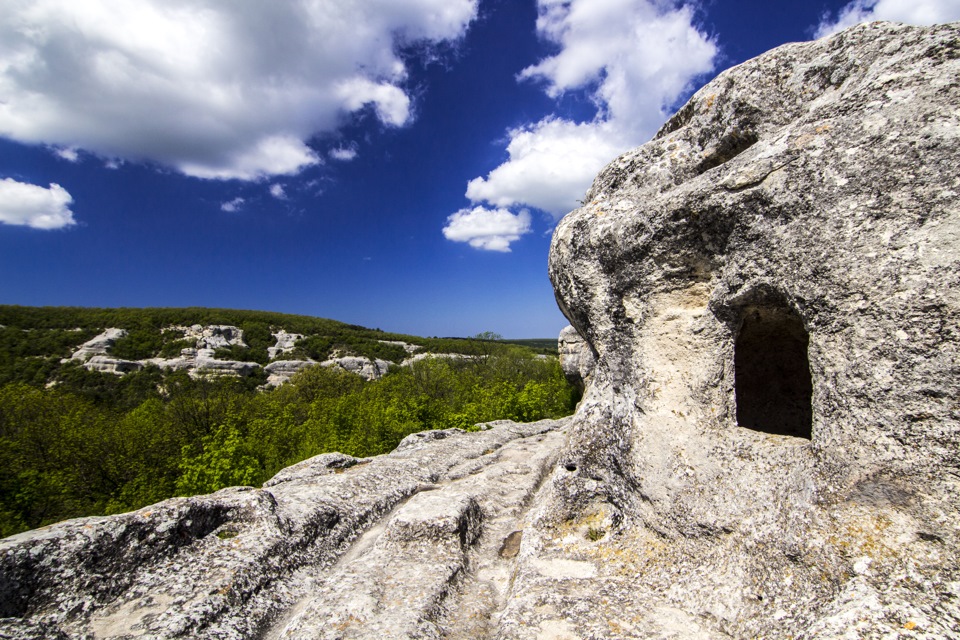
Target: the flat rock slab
(402, 529)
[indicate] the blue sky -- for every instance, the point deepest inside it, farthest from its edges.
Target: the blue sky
(397, 164)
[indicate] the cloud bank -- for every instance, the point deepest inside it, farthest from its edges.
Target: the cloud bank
(634, 58)
(488, 229)
(215, 90)
(34, 206)
(918, 12)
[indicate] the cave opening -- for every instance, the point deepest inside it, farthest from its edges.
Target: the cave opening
(774, 390)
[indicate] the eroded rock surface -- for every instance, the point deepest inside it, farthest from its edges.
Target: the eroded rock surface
(98, 345)
(332, 547)
(769, 444)
(576, 357)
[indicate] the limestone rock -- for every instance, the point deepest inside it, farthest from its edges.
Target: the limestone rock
(207, 364)
(98, 345)
(280, 371)
(333, 547)
(409, 348)
(214, 336)
(576, 357)
(368, 369)
(286, 342)
(769, 444)
(116, 366)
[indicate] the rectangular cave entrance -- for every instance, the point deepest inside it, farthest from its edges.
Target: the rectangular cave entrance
(774, 390)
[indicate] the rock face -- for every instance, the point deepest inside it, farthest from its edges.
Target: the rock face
(106, 364)
(280, 371)
(98, 345)
(767, 446)
(366, 368)
(772, 287)
(285, 343)
(576, 357)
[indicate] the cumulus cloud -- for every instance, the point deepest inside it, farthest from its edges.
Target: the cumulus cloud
(343, 154)
(919, 12)
(487, 229)
(276, 190)
(216, 90)
(34, 206)
(634, 58)
(232, 206)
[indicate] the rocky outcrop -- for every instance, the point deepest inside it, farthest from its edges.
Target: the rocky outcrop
(769, 443)
(767, 446)
(98, 345)
(576, 357)
(329, 548)
(409, 348)
(214, 336)
(366, 368)
(286, 342)
(280, 371)
(106, 364)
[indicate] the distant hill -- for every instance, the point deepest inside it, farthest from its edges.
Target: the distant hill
(34, 340)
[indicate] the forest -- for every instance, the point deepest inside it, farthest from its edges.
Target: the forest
(75, 442)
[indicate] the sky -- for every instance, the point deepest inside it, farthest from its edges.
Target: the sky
(397, 164)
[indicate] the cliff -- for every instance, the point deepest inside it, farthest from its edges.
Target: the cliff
(767, 445)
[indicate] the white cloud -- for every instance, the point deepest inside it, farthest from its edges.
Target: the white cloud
(634, 58)
(276, 190)
(488, 229)
(344, 154)
(34, 206)
(233, 205)
(216, 90)
(67, 153)
(919, 12)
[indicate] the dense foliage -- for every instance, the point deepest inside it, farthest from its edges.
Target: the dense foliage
(75, 442)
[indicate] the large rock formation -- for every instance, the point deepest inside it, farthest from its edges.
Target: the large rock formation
(772, 287)
(767, 447)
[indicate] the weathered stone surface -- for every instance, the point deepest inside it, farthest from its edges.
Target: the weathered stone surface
(805, 203)
(409, 348)
(366, 368)
(280, 371)
(98, 345)
(302, 557)
(576, 357)
(116, 366)
(285, 343)
(214, 336)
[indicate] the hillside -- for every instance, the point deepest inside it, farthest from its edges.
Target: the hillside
(107, 410)
(34, 340)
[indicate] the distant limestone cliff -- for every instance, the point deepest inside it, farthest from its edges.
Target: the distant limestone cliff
(768, 295)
